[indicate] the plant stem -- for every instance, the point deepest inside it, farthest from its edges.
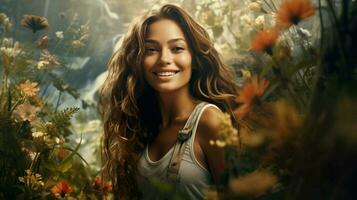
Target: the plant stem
(58, 100)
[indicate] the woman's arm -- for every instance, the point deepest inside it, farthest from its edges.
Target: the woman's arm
(209, 127)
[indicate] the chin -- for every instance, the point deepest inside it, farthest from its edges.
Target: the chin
(169, 89)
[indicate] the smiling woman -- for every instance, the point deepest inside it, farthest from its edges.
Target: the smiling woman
(167, 60)
(162, 103)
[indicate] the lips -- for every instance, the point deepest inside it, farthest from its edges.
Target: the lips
(165, 73)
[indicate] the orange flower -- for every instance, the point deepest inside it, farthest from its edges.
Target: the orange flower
(293, 11)
(61, 188)
(102, 185)
(264, 41)
(248, 94)
(28, 88)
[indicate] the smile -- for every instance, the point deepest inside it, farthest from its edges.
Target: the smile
(166, 73)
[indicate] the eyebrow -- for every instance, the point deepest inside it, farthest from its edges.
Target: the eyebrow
(170, 41)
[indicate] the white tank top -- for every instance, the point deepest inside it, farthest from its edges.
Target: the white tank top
(194, 178)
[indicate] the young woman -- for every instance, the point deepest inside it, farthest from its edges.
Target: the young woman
(162, 101)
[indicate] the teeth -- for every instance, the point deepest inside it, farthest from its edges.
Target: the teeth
(165, 73)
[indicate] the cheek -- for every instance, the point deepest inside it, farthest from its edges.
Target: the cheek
(185, 61)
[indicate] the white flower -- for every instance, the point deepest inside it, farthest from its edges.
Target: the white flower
(9, 51)
(246, 19)
(255, 6)
(42, 64)
(259, 22)
(59, 34)
(305, 32)
(38, 134)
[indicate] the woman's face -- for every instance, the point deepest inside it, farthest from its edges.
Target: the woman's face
(167, 60)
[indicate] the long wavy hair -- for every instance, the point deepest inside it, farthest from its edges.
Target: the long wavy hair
(129, 106)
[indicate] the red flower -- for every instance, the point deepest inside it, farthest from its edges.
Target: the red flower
(293, 11)
(61, 188)
(264, 41)
(102, 185)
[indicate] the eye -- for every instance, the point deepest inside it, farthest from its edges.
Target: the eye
(178, 49)
(150, 50)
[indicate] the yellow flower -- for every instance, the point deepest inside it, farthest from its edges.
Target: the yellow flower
(10, 51)
(25, 112)
(293, 11)
(253, 184)
(42, 64)
(246, 75)
(38, 134)
(28, 88)
(77, 44)
(32, 180)
(6, 21)
(255, 6)
(33, 22)
(228, 135)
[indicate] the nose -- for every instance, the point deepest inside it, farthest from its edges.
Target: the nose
(165, 56)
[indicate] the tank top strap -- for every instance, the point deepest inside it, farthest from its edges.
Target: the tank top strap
(194, 129)
(182, 138)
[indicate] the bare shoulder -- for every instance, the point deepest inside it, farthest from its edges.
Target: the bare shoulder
(208, 129)
(210, 122)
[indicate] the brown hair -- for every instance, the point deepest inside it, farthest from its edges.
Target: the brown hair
(128, 104)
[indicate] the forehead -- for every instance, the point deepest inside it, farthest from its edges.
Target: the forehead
(164, 29)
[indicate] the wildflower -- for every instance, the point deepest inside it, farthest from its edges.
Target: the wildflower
(246, 19)
(28, 88)
(42, 64)
(5, 21)
(32, 180)
(250, 138)
(33, 22)
(102, 185)
(264, 41)
(255, 6)
(7, 24)
(59, 34)
(306, 33)
(77, 44)
(62, 188)
(253, 184)
(42, 42)
(2, 17)
(245, 74)
(293, 11)
(25, 112)
(8, 50)
(228, 135)
(49, 58)
(259, 22)
(247, 96)
(38, 134)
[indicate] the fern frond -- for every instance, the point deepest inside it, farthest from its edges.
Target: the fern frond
(62, 119)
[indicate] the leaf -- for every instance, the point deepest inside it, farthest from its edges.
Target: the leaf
(67, 162)
(65, 165)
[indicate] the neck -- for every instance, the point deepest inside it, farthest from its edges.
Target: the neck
(176, 106)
